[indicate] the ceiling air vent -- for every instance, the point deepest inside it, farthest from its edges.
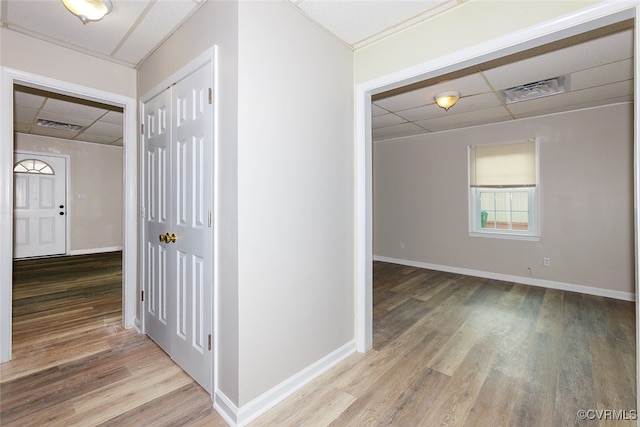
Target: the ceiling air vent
(59, 125)
(535, 90)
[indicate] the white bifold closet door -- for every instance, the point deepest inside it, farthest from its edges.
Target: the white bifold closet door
(178, 203)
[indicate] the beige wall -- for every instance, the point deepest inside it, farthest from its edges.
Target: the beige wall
(56, 62)
(586, 172)
(296, 196)
(466, 25)
(95, 193)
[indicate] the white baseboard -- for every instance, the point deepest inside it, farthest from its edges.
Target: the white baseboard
(627, 296)
(95, 250)
(226, 408)
(239, 417)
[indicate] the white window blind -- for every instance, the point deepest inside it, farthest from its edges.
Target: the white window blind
(503, 166)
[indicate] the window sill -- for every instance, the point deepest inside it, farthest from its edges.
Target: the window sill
(507, 236)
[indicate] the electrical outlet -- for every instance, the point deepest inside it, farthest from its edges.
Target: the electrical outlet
(402, 245)
(546, 261)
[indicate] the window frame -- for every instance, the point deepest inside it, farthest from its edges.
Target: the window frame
(475, 229)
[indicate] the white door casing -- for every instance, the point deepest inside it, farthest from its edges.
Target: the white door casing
(9, 77)
(178, 253)
(40, 205)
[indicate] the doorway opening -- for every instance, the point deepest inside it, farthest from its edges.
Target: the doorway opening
(128, 167)
(589, 19)
(68, 207)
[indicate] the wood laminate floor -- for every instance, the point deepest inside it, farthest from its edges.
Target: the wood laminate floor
(452, 350)
(449, 350)
(73, 363)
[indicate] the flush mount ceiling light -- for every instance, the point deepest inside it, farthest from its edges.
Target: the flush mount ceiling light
(88, 10)
(447, 100)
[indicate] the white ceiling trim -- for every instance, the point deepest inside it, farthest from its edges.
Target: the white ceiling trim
(429, 13)
(358, 23)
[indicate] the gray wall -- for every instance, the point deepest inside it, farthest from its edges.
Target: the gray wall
(586, 172)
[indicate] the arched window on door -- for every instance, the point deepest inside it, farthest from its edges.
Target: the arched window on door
(33, 166)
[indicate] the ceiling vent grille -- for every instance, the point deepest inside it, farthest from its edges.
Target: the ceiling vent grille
(59, 125)
(535, 90)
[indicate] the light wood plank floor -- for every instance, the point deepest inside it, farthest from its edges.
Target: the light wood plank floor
(452, 350)
(74, 364)
(448, 350)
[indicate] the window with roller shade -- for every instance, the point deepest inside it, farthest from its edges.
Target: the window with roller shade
(503, 190)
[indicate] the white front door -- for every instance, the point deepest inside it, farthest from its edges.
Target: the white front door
(178, 140)
(40, 206)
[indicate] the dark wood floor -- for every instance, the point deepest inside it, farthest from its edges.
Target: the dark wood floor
(74, 364)
(449, 350)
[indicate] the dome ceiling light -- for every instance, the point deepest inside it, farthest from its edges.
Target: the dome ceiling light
(447, 100)
(88, 10)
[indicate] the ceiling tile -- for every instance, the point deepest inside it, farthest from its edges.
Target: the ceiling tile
(72, 109)
(377, 111)
(56, 133)
(104, 128)
(64, 118)
(98, 139)
(52, 20)
(355, 21)
(127, 35)
(471, 118)
(386, 120)
(467, 86)
(405, 129)
(24, 114)
(465, 104)
(151, 30)
(571, 100)
(21, 127)
(593, 53)
(27, 99)
(113, 117)
(610, 73)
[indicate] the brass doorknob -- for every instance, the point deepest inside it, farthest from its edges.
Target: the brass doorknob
(168, 238)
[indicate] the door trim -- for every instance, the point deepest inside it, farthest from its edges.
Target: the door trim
(66, 157)
(9, 77)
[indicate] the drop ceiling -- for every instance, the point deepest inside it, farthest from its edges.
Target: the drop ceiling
(39, 112)
(598, 66)
(127, 35)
